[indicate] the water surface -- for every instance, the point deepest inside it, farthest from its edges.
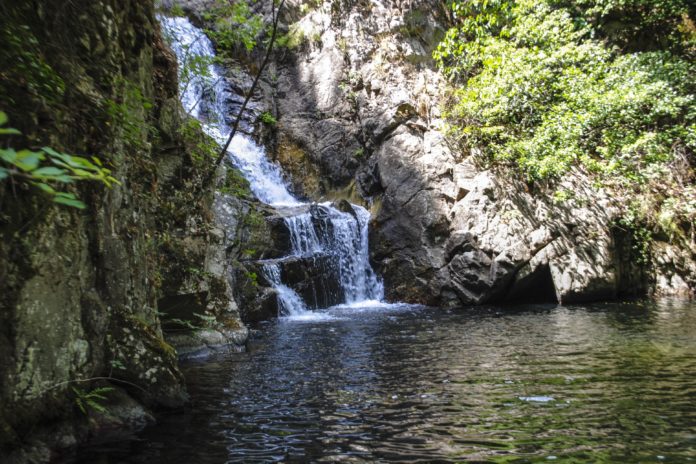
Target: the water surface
(596, 383)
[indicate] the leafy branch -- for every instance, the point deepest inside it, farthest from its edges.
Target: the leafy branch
(47, 168)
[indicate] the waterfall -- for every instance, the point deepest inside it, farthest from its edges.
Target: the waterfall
(315, 229)
(303, 237)
(290, 302)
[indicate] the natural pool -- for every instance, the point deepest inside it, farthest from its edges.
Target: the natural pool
(612, 382)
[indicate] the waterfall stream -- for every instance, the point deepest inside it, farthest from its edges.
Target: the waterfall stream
(315, 229)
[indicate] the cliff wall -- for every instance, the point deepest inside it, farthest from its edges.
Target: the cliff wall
(86, 293)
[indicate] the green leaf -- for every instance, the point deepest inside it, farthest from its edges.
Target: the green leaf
(8, 155)
(28, 160)
(52, 152)
(96, 406)
(3, 118)
(81, 173)
(3, 173)
(69, 202)
(81, 406)
(81, 162)
(46, 188)
(48, 171)
(10, 131)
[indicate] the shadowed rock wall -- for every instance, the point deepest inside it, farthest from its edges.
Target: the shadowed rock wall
(81, 288)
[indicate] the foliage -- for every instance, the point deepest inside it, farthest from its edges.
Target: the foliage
(127, 115)
(543, 94)
(177, 10)
(117, 364)
(310, 5)
(253, 277)
(294, 39)
(235, 24)
(235, 183)
(91, 400)
(24, 67)
(267, 118)
(206, 320)
(635, 223)
(46, 168)
(202, 321)
(201, 147)
(547, 85)
(635, 25)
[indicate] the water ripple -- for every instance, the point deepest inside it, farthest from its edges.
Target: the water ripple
(609, 383)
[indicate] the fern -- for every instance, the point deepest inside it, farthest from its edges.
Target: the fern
(91, 400)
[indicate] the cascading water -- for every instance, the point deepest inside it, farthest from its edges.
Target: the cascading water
(290, 302)
(316, 229)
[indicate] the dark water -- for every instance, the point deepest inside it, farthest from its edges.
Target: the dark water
(596, 383)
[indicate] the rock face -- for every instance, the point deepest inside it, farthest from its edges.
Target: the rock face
(357, 97)
(314, 277)
(86, 293)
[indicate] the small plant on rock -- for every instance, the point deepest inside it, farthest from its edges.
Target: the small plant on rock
(91, 400)
(267, 118)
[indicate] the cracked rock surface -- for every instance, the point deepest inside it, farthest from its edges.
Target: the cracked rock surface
(358, 104)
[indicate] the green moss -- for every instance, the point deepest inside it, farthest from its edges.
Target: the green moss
(235, 184)
(267, 118)
(254, 219)
(127, 116)
(154, 340)
(24, 67)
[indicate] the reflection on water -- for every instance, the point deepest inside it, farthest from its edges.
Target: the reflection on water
(597, 383)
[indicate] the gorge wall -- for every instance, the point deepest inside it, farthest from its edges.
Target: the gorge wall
(358, 102)
(101, 299)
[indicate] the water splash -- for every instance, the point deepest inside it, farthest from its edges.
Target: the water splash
(303, 237)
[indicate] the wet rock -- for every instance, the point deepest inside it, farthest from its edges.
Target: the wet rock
(346, 207)
(314, 278)
(257, 302)
(81, 289)
(203, 342)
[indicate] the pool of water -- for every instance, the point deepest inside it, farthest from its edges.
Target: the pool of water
(594, 383)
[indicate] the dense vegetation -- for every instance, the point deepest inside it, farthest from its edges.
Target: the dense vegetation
(603, 85)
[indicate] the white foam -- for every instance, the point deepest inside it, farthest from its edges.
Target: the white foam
(310, 316)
